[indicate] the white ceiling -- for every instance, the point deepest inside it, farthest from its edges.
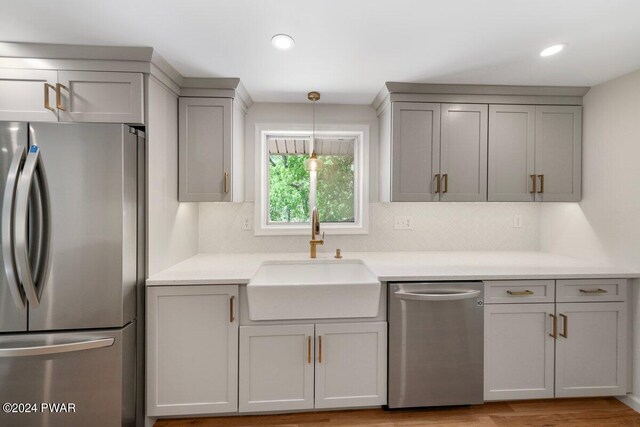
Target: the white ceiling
(347, 49)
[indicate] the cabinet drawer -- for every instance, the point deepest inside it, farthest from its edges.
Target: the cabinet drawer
(518, 291)
(592, 290)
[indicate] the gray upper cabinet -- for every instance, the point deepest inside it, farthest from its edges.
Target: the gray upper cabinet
(71, 96)
(210, 150)
(101, 97)
(415, 152)
(470, 143)
(205, 149)
(511, 153)
(535, 153)
(463, 153)
(437, 152)
(558, 153)
(28, 95)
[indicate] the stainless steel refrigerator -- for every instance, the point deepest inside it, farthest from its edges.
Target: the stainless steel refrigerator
(72, 256)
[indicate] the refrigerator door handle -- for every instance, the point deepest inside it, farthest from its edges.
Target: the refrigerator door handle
(42, 269)
(17, 292)
(39, 350)
(33, 169)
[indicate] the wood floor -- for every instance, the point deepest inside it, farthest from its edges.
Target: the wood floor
(605, 412)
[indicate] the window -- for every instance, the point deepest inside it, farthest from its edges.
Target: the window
(287, 192)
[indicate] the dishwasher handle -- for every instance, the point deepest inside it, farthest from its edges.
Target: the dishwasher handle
(441, 295)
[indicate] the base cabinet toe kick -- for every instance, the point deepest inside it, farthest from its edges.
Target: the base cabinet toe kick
(540, 339)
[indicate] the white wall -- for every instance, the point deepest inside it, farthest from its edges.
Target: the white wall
(606, 224)
(172, 226)
(437, 226)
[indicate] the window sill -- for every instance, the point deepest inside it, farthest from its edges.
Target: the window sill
(304, 230)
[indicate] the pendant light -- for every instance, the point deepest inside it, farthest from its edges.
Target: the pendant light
(313, 164)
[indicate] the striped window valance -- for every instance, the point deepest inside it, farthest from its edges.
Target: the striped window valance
(289, 146)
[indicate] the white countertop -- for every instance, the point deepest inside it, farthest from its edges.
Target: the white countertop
(399, 266)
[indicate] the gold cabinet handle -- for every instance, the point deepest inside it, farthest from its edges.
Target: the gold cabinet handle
(226, 182)
(309, 350)
(231, 318)
(541, 190)
(554, 334)
(535, 184)
(445, 177)
(320, 349)
(593, 291)
(438, 187)
(60, 86)
(47, 86)
(565, 326)
(520, 293)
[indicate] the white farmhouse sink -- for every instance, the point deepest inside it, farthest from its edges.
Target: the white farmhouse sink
(313, 289)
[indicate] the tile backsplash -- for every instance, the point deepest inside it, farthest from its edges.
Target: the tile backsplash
(436, 227)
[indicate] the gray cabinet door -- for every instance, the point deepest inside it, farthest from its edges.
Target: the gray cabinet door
(351, 365)
(205, 126)
(415, 151)
(463, 152)
(276, 367)
(24, 95)
(518, 351)
(192, 350)
(101, 97)
(511, 153)
(558, 153)
(591, 349)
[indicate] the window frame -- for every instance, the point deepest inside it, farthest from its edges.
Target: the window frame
(262, 226)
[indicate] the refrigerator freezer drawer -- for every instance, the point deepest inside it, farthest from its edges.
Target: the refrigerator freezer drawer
(91, 373)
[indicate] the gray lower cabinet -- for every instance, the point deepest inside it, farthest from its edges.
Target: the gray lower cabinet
(192, 350)
(276, 367)
(71, 96)
(519, 351)
(591, 349)
(211, 151)
(351, 365)
(328, 365)
(541, 344)
(535, 153)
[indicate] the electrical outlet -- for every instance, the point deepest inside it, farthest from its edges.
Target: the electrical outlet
(403, 222)
(246, 223)
(517, 221)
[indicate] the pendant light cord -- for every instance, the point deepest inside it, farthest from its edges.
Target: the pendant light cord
(313, 129)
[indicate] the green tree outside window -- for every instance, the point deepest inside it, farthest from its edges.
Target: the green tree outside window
(289, 189)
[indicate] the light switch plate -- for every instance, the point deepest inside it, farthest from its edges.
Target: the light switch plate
(246, 223)
(403, 222)
(517, 221)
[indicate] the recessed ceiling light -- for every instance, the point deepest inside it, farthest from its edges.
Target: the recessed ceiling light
(552, 50)
(282, 42)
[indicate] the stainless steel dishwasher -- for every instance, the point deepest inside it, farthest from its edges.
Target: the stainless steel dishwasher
(436, 344)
